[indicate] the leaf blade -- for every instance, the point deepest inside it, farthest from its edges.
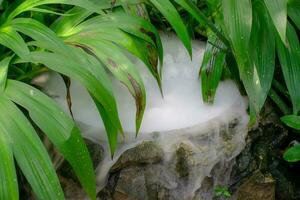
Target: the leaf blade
(98, 83)
(294, 12)
(292, 121)
(8, 181)
(292, 154)
(29, 152)
(290, 65)
(3, 72)
(258, 73)
(238, 24)
(211, 69)
(12, 40)
(59, 128)
(122, 68)
(278, 12)
(169, 11)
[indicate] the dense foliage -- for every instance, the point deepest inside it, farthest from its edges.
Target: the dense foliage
(86, 40)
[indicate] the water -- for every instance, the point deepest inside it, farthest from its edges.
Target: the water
(214, 133)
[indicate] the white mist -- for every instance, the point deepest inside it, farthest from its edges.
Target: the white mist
(179, 117)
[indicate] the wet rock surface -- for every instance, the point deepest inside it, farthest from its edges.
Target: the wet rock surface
(148, 152)
(187, 170)
(265, 146)
(258, 186)
(258, 172)
(183, 160)
(142, 172)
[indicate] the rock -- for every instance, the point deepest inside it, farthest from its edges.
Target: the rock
(183, 160)
(107, 193)
(263, 152)
(158, 192)
(159, 182)
(96, 152)
(285, 189)
(141, 183)
(131, 184)
(148, 152)
(206, 190)
(258, 186)
(185, 167)
(72, 190)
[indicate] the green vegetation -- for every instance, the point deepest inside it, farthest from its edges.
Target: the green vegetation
(85, 40)
(293, 153)
(222, 191)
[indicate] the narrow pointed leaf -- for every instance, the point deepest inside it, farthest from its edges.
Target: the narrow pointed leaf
(294, 12)
(278, 12)
(78, 68)
(59, 128)
(284, 108)
(136, 26)
(3, 72)
(257, 75)
(8, 181)
(238, 22)
(111, 129)
(211, 68)
(137, 9)
(94, 6)
(64, 24)
(173, 17)
(40, 33)
(292, 154)
(289, 56)
(75, 69)
(12, 40)
(48, 11)
(135, 45)
(29, 152)
(122, 69)
(292, 121)
(200, 17)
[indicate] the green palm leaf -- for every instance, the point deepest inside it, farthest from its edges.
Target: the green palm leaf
(292, 154)
(12, 40)
(73, 67)
(93, 6)
(40, 33)
(169, 11)
(292, 121)
(278, 12)
(258, 74)
(66, 23)
(123, 70)
(59, 128)
(290, 65)
(211, 68)
(29, 152)
(238, 22)
(200, 17)
(8, 182)
(3, 72)
(294, 12)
